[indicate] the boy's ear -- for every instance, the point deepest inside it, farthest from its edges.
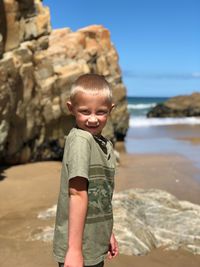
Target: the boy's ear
(70, 106)
(112, 107)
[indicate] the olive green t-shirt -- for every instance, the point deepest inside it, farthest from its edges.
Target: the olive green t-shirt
(92, 158)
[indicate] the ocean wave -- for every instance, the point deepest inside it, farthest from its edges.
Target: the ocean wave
(148, 122)
(141, 106)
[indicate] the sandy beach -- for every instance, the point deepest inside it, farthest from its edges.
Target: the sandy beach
(147, 58)
(26, 190)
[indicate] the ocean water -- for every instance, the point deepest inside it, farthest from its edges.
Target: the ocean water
(161, 135)
(139, 106)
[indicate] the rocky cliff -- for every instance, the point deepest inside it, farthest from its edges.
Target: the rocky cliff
(37, 67)
(179, 106)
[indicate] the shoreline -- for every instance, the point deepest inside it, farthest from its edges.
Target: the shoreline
(31, 188)
(177, 140)
(173, 173)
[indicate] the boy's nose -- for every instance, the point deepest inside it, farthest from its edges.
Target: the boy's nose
(92, 119)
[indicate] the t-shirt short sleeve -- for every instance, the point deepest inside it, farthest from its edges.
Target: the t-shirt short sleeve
(78, 159)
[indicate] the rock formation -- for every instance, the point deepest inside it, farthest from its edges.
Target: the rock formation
(179, 106)
(37, 68)
(146, 219)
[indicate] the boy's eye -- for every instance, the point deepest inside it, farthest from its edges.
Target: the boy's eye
(102, 112)
(84, 112)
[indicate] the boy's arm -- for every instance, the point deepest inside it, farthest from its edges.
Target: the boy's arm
(78, 203)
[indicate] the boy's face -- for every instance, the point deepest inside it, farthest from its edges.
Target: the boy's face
(91, 111)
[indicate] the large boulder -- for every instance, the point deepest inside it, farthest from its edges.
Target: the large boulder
(179, 106)
(37, 69)
(145, 219)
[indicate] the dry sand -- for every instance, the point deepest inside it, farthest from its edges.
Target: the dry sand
(26, 190)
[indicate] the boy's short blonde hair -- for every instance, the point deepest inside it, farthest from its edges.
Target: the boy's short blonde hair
(92, 84)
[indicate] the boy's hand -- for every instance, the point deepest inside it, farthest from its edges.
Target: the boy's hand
(113, 248)
(74, 258)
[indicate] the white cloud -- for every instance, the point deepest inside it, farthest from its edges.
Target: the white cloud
(158, 76)
(196, 74)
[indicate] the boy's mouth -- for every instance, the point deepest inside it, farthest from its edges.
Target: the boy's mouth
(92, 126)
(96, 125)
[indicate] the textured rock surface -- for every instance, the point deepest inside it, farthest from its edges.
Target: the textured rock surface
(36, 71)
(145, 219)
(179, 106)
(22, 20)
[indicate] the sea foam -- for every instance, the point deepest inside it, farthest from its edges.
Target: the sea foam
(141, 106)
(148, 122)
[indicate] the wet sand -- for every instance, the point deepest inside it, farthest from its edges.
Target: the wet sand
(26, 190)
(192, 140)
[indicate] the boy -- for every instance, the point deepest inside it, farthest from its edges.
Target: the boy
(83, 231)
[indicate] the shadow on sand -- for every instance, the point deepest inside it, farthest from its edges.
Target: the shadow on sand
(2, 172)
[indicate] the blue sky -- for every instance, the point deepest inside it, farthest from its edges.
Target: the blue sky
(158, 41)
